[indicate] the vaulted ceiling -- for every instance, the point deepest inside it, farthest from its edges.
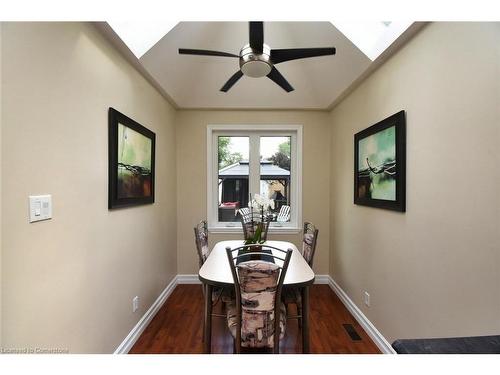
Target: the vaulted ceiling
(195, 81)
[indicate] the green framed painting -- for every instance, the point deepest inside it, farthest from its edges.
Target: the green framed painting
(380, 164)
(131, 161)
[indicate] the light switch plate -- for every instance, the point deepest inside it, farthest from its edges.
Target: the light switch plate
(40, 207)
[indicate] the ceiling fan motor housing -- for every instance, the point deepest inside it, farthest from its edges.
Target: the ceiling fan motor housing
(255, 64)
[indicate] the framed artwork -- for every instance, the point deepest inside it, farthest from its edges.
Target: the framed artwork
(380, 164)
(131, 162)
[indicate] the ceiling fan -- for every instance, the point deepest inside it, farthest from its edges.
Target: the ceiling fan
(257, 59)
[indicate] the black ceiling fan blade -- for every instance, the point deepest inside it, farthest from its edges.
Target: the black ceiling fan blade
(256, 31)
(231, 81)
(204, 52)
(282, 55)
(280, 80)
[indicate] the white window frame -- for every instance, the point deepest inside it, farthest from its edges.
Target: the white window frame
(240, 130)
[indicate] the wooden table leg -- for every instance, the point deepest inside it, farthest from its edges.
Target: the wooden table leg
(305, 320)
(207, 335)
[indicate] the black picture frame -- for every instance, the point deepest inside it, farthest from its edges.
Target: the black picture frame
(114, 200)
(398, 120)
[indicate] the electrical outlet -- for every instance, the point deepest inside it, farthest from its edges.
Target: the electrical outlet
(135, 303)
(366, 298)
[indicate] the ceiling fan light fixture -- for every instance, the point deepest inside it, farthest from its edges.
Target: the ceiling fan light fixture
(254, 64)
(256, 69)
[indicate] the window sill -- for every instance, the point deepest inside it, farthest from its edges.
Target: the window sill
(272, 230)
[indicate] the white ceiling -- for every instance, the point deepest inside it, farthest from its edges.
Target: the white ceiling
(194, 81)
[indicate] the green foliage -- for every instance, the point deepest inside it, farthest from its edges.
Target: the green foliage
(282, 157)
(226, 157)
(284, 148)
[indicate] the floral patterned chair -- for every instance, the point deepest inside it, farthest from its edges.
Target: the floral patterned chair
(309, 242)
(201, 239)
(293, 295)
(257, 319)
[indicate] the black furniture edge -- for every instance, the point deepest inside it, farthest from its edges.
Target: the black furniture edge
(451, 345)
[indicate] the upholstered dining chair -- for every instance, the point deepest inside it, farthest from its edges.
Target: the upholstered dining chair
(309, 239)
(308, 248)
(203, 250)
(201, 240)
(257, 319)
(249, 222)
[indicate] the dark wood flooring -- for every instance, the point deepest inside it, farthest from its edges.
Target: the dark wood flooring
(177, 327)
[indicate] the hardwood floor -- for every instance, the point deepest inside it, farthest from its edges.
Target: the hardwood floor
(178, 327)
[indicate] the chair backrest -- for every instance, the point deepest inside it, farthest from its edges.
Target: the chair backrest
(258, 285)
(250, 221)
(309, 242)
(201, 239)
(284, 214)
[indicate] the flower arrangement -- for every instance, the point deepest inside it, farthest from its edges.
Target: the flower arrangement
(262, 205)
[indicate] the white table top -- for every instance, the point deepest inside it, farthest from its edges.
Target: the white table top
(216, 270)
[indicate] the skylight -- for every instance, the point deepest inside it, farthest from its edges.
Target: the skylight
(372, 37)
(140, 36)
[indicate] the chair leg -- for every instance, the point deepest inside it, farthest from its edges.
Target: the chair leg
(276, 346)
(237, 348)
(299, 313)
(203, 332)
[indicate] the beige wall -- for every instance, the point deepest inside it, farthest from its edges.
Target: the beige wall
(192, 176)
(1, 89)
(69, 282)
(433, 271)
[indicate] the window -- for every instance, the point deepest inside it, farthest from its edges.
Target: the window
(247, 160)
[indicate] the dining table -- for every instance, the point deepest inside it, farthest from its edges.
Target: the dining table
(216, 272)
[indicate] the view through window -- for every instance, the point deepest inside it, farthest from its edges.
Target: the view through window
(237, 181)
(233, 176)
(275, 163)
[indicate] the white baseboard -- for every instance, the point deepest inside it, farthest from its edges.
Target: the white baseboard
(193, 279)
(136, 332)
(321, 279)
(368, 326)
(188, 279)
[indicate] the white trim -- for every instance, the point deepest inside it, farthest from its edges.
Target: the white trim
(321, 279)
(368, 326)
(141, 325)
(188, 279)
(253, 127)
(193, 279)
(296, 177)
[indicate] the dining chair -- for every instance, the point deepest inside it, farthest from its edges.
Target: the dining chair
(250, 221)
(309, 239)
(257, 319)
(293, 295)
(201, 239)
